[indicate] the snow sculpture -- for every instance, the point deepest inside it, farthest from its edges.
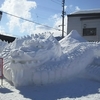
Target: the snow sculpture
(2, 45)
(27, 53)
(38, 59)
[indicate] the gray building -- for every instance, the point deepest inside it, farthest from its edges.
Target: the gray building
(86, 23)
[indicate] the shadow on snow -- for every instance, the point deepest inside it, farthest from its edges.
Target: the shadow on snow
(71, 89)
(4, 90)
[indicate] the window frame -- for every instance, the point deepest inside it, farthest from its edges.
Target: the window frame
(87, 31)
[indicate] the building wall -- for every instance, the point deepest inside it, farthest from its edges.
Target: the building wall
(95, 23)
(74, 23)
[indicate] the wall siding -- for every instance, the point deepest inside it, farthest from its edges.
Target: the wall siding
(74, 23)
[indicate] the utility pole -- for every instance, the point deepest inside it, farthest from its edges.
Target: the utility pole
(63, 13)
(0, 15)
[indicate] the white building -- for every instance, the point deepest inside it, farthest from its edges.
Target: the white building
(87, 23)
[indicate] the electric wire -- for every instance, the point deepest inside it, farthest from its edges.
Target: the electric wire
(32, 21)
(56, 2)
(44, 8)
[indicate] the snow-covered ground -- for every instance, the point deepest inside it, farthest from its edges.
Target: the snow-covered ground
(38, 67)
(76, 89)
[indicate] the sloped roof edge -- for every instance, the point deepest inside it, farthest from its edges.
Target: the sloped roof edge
(95, 12)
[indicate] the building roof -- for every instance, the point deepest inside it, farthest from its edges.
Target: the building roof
(85, 12)
(7, 38)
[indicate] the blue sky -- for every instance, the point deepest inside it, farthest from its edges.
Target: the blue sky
(46, 12)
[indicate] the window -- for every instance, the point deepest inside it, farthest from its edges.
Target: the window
(89, 31)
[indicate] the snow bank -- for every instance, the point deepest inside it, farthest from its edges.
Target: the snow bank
(41, 59)
(72, 40)
(75, 35)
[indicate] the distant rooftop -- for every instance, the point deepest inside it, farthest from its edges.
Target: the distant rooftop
(7, 38)
(85, 12)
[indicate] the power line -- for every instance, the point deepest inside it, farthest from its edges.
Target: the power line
(31, 21)
(59, 1)
(56, 2)
(37, 17)
(48, 9)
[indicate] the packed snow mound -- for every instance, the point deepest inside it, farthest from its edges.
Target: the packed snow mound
(72, 40)
(75, 35)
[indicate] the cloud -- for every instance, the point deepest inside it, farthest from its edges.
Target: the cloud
(44, 27)
(2, 30)
(57, 26)
(77, 8)
(72, 8)
(19, 8)
(16, 8)
(55, 16)
(22, 8)
(65, 7)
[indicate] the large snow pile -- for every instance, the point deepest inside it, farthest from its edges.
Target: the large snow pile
(41, 59)
(72, 40)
